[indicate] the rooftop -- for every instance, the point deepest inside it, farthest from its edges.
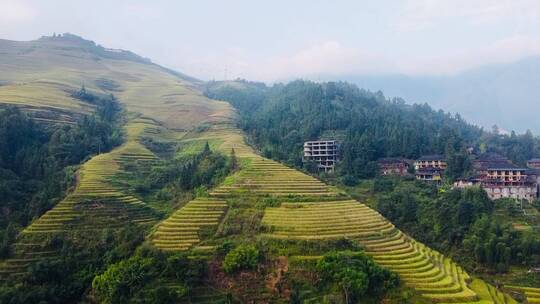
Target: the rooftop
(491, 156)
(320, 141)
(432, 157)
(429, 171)
(505, 166)
(392, 160)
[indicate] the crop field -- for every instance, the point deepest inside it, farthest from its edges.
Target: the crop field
(222, 137)
(94, 204)
(531, 293)
(266, 177)
(429, 272)
(183, 229)
(311, 210)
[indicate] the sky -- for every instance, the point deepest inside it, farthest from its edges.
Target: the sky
(282, 40)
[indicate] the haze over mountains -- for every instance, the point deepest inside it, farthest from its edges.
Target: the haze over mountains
(505, 95)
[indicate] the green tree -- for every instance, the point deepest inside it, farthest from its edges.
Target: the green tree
(233, 161)
(241, 257)
(355, 274)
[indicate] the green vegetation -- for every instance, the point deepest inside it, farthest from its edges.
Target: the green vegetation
(240, 258)
(79, 257)
(128, 281)
(280, 118)
(35, 161)
(464, 223)
(355, 274)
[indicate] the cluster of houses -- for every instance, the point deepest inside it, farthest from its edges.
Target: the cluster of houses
(496, 174)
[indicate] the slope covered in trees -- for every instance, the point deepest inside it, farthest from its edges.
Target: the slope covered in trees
(278, 119)
(35, 160)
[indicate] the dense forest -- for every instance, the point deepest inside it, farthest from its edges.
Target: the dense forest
(36, 160)
(278, 119)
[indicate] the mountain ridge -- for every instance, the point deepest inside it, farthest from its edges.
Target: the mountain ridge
(506, 92)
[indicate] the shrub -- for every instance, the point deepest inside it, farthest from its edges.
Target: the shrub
(355, 275)
(349, 180)
(240, 258)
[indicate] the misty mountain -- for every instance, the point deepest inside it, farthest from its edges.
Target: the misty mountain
(501, 94)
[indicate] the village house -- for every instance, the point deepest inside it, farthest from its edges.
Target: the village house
(486, 160)
(393, 166)
(534, 172)
(430, 161)
(429, 174)
(510, 181)
(430, 168)
(502, 179)
(534, 163)
(322, 152)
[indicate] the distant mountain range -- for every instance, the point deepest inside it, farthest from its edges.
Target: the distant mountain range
(506, 95)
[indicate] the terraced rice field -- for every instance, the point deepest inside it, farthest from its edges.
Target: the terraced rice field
(312, 210)
(94, 204)
(429, 272)
(325, 213)
(531, 293)
(183, 229)
(266, 177)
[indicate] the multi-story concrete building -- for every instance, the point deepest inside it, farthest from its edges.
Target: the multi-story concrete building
(325, 153)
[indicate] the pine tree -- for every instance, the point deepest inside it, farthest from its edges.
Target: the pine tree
(234, 161)
(206, 151)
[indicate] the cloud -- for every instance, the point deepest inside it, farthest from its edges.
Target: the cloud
(332, 58)
(14, 12)
(325, 58)
(143, 11)
(505, 50)
(321, 59)
(420, 15)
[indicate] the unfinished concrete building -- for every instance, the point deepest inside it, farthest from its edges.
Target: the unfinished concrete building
(322, 152)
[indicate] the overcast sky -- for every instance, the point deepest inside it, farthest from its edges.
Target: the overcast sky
(279, 40)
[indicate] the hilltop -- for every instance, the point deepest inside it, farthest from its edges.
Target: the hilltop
(40, 76)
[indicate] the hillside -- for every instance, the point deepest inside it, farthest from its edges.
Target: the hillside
(40, 75)
(184, 211)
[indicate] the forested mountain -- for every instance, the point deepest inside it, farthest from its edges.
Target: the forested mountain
(498, 94)
(281, 117)
(464, 224)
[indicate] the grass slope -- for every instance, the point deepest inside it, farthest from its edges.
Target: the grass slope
(39, 76)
